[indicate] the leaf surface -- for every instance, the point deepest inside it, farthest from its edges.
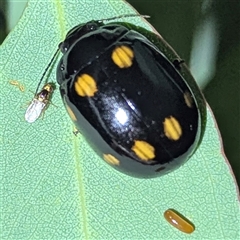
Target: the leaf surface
(53, 186)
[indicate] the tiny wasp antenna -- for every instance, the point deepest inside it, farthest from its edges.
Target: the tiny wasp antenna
(46, 69)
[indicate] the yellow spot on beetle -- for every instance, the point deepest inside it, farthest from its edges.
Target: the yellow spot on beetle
(122, 56)
(188, 99)
(143, 150)
(111, 159)
(180, 222)
(71, 114)
(172, 128)
(85, 85)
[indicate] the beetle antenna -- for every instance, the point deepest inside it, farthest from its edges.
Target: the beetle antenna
(46, 69)
(125, 15)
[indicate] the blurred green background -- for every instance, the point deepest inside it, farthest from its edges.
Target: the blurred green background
(206, 34)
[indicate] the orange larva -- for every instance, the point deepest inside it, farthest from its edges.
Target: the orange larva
(180, 222)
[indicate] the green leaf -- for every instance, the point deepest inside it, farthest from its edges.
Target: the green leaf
(53, 186)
